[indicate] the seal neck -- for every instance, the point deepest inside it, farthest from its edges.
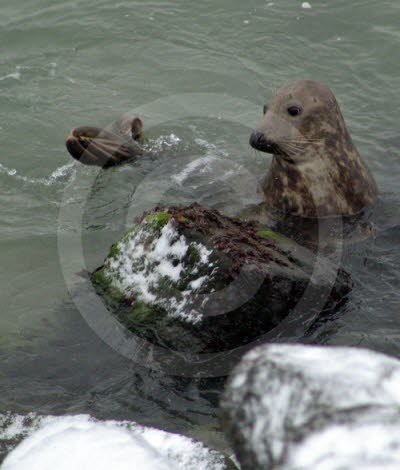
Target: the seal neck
(319, 187)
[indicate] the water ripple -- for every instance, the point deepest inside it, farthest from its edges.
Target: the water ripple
(57, 175)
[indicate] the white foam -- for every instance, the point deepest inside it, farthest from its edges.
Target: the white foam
(192, 167)
(164, 142)
(53, 69)
(14, 76)
(56, 175)
(212, 149)
(305, 5)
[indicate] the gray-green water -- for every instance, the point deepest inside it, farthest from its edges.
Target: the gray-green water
(198, 71)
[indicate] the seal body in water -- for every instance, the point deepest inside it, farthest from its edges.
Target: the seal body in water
(316, 170)
(96, 146)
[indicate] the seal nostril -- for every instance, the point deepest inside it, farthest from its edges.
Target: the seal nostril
(257, 139)
(260, 137)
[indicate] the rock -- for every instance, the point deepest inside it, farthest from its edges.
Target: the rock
(77, 442)
(292, 407)
(193, 280)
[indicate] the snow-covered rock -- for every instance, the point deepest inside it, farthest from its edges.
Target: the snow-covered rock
(295, 407)
(81, 442)
(194, 280)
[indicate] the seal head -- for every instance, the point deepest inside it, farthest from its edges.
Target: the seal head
(316, 170)
(96, 146)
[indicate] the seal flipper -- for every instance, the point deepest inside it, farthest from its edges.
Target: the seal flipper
(137, 129)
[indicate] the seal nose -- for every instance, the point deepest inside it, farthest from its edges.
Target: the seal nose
(257, 139)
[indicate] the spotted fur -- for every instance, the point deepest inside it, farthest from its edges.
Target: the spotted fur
(316, 169)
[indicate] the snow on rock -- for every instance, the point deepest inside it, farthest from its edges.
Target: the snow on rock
(81, 442)
(72, 444)
(191, 279)
(295, 407)
(140, 266)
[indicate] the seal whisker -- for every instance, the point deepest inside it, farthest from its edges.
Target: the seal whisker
(255, 151)
(290, 147)
(302, 141)
(316, 170)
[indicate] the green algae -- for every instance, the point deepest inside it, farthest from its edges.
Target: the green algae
(135, 312)
(99, 277)
(273, 235)
(142, 317)
(103, 283)
(158, 220)
(229, 464)
(114, 251)
(193, 256)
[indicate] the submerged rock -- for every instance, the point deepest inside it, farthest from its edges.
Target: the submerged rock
(292, 407)
(191, 279)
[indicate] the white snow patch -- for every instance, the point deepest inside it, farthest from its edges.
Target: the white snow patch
(73, 444)
(188, 454)
(354, 447)
(197, 283)
(296, 384)
(137, 271)
(131, 281)
(204, 253)
(167, 269)
(15, 428)
(81, 442)
(169, 244)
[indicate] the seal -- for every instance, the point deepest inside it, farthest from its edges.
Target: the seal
(316, 170)
(97, 146)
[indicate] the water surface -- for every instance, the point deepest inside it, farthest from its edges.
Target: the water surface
(179, 62)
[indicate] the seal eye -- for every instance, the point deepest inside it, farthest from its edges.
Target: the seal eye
(265, 108)
(294, 110)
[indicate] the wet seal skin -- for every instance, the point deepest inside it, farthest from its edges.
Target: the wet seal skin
(96, 146)
(316, 170)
